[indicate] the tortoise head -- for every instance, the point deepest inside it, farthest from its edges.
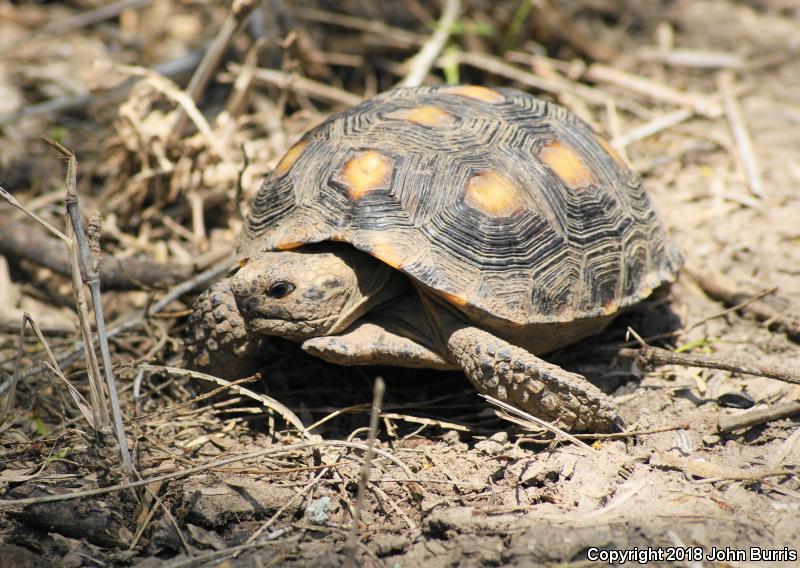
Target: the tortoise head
(307, 292)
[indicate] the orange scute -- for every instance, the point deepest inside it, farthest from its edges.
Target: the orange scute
(366, 172)
(475, 92)
(493, 194)
(453, 299)
(290, 158)
(611, 151)
(386, 249)
(290, 245)
(425, 115)
(567, 165)
(610, 307)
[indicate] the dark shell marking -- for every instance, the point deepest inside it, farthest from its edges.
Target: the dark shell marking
(504, 204)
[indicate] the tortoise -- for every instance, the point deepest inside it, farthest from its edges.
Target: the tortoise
(454, 227)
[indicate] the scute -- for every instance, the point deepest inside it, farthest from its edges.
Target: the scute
(505, 205)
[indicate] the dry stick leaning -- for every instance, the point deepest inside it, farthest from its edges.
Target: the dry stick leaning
(352, 538)
(725, 290)
(240, 10)
(420, 65)
(647, 356)
(90, 277)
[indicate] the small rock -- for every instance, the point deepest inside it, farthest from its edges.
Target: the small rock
(493, 445)
(317, 511)
(389, 544)
(500, 437)
(206, 537)
(451, 437)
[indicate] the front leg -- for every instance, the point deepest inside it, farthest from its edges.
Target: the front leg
(513, 375)
(217, 339)
(367, 343)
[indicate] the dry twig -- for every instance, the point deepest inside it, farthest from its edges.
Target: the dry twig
(269, 402)
(758, 416)
(240, 11)
(420, 65)
(88, 275)
(725, 290)
(647, 356)
(741, 136)
(522, 418)
(352, 539)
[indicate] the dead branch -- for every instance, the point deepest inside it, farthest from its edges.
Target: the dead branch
(759, 416)
(19, 240)
(725, 290)
(420, 65)
(239, 12)
(90, 277)
(352, 538)
(647, 357)
(741, 135)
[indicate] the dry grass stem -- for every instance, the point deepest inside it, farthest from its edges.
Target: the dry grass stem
(741, 135)
(237, 16)
(302, 85)
(268, 402)
(421, 64)
(701, 104)
(514, 414)
(13, 201)
(352, 538)
(655, 126)
(84, 273)
(84, 407)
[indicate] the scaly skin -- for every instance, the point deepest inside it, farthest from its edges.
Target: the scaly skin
(513, 375)
(217, 339)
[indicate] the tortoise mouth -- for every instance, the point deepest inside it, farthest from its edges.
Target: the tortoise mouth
(296, 329)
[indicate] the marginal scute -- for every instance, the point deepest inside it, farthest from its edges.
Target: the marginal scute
(387, 250)
(610, 307)
(427, 115)
(566, 164)
(454, 299)
(289, 245)
(611, 151)
(366, 172)
(290, 157)
(475, 92)
(493, 194)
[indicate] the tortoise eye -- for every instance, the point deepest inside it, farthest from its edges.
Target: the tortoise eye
(280, 290)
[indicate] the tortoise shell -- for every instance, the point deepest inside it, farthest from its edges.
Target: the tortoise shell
(505, 205)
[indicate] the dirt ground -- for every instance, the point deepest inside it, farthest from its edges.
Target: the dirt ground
(701, 96)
